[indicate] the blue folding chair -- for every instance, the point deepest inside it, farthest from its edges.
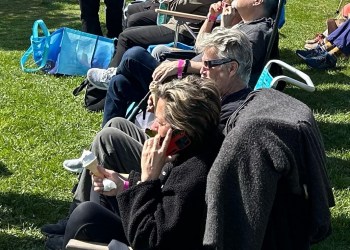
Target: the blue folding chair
(266, 80)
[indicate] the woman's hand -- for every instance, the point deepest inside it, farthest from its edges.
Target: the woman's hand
(215, 9)
(111, 175)
(164, 70)
(154, 157)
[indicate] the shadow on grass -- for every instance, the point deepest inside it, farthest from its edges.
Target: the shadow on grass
(17, 17)
(27, 210)
(3, 170)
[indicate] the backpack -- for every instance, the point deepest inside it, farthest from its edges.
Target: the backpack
(94, 99)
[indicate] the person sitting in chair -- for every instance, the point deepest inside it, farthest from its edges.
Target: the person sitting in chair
(165, 202)
(231, 78)
(256, 24)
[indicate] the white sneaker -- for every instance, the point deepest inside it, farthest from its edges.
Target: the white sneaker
(73, 165)
(100, 77)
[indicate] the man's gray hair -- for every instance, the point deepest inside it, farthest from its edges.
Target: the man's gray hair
(230, 43)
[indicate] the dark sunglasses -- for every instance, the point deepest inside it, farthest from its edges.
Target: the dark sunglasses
(217, 62)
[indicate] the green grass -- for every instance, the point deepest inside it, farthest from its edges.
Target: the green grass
(42, 123)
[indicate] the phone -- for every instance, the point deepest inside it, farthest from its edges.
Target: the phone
(179, 140)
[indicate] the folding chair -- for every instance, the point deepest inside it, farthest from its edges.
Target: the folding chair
(180, 49)
(266, 80)
(182, 22)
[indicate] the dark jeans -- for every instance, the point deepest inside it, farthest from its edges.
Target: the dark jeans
(92, 222)
(144, 36)
(90, 18)
(130, 84)
(141, 14)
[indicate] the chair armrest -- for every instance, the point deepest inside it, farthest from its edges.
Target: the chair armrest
(307, 85)
(181, 14)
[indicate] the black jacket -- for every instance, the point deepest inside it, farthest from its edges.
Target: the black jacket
(268, 187)
(169, 213)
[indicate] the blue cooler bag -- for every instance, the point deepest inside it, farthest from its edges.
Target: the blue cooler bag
(66, 51)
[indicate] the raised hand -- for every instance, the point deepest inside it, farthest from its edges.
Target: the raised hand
(154, 156)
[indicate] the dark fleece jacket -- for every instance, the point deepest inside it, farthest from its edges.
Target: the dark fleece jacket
(268, 187)
(169, 213)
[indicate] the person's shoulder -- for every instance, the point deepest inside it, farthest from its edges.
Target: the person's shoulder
(258, 25)
(237, 96)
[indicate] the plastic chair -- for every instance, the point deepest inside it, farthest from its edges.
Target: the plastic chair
(266, 80)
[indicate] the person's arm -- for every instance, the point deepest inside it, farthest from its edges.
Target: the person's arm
(170, 68)
(214, 11)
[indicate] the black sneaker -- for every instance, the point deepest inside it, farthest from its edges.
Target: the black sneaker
(55, 229)
(303, 54)
(325, 61)
(54, 242)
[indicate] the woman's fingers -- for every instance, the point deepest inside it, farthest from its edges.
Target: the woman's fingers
(166, 141)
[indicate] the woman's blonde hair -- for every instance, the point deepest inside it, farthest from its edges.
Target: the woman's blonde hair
(192, 104)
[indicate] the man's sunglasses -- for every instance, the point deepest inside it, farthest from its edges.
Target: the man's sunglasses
(217, 62)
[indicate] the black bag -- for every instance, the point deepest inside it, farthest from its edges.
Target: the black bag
(94, 99)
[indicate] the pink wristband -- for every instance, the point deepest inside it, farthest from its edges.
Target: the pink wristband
(212, 18)
(126, 185)
(180, 68)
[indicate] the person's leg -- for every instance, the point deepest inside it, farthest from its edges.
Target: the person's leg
(142, 6)
(109, 146)
(117, 146)
(147, 17)
(120, 91)
(92, 222)
(89, 16)
(109, 202)
(134, 75)
(341, 38)
(141, 14)
(114, 17)
(143, 36)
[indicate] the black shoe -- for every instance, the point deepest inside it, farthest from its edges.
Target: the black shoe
(303, 54)
(54, 242)
(326, 61)
(55, 229)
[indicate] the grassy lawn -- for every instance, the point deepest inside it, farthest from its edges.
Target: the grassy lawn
(42, 123)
